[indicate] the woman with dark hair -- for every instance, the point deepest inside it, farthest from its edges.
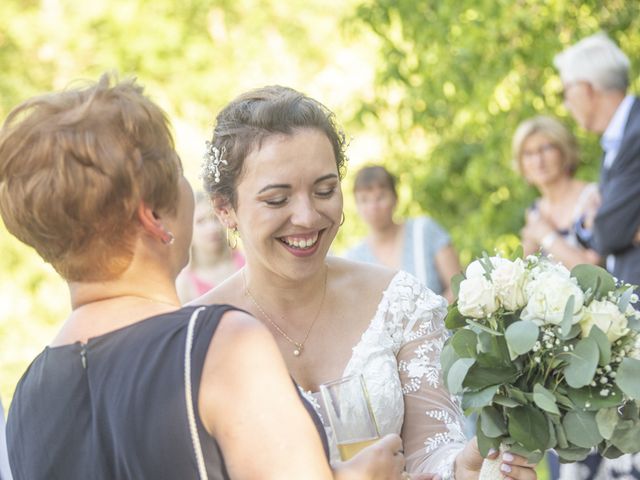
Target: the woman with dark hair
(273, 171)
(419, 246)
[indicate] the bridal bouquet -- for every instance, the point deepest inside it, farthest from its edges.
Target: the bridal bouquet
(547, 357)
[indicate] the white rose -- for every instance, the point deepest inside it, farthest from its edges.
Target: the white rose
(607, 316)
(477, 297)
(475, 268)
(508, 280)
(548, 295)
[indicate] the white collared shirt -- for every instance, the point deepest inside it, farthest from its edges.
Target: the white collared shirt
(612, 136)
(5, 473)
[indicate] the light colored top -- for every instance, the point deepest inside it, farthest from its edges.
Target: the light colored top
(612, 136)
(5, 472)
(399, 358)
(423, 239)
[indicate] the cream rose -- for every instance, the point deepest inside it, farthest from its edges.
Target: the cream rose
(508, 280)
(607, 316)
(548, 294)
(477, 297)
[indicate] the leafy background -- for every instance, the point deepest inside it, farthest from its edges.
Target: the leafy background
(431, 88)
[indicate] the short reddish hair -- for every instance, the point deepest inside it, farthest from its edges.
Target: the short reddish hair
(75, 165)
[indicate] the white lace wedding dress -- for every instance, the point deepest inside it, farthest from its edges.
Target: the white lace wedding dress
(399, 357)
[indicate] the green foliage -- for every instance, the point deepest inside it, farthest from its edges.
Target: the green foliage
(456, 77)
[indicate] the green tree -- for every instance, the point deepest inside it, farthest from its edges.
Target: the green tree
(455, 79)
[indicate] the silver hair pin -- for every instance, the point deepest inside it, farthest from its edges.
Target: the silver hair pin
(213, 157)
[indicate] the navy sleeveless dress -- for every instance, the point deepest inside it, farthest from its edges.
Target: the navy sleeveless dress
(115, 407)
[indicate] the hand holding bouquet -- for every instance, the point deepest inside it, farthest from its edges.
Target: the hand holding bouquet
(548, 358)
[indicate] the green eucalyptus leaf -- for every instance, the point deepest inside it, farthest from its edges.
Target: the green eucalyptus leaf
(506, 401)
(480, 377)
(464, 342)
(528, 426)
(553, 439)
(532, 457)
(448, 357)
(607, 419)
(544, 399)
(517, 395)
(582, 363)
(521, 336)
(479, 399)
(628, 377)
(610, 451)
(485, 443)
(570, 455)
(457, 374)
(604, 346)
(561, 435)
(595, 278)
(567, 317)
(624, 300)
(563, 400)
(492, 422)
(626, 436)
(454, 318)
(589, 398)
(581, 428)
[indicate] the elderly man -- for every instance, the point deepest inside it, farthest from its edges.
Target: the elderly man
(595, 77)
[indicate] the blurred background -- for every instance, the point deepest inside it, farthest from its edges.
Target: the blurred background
(433, 89)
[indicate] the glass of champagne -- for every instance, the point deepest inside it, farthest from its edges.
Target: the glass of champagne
(352, 420)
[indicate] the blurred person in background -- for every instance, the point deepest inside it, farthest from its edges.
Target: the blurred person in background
(419, 246)
(133, 386)
(212, 259)
(545, 153)
(595, 78)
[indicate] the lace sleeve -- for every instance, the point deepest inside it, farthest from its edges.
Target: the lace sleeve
(432, 430)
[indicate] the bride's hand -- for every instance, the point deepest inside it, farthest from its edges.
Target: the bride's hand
(383, 460)
(514, 467)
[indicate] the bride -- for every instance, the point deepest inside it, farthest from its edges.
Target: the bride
(273, 171)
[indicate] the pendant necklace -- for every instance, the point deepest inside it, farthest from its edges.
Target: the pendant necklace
(298, 346)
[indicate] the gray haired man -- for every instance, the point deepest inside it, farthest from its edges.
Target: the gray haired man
(595, 77)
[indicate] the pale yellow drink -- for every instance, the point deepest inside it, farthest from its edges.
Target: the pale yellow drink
(350, 449)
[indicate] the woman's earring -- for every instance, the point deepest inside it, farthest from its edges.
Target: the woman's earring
(168, 238)
(343, 219)
(232, 239)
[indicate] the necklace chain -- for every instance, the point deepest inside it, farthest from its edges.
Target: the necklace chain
(299, 346)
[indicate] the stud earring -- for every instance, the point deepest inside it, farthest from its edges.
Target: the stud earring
(168, 238)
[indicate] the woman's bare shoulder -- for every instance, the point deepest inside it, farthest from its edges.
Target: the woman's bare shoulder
(227, 292)
(361, 276)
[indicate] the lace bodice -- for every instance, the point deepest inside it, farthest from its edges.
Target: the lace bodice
(399, 357)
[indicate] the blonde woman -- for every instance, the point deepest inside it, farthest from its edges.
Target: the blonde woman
(546, 155)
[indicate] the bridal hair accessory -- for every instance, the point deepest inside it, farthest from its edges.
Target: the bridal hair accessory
(213, 158)
(299, 346)
(232, 238)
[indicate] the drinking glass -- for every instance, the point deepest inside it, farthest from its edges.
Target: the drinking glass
(352, 420)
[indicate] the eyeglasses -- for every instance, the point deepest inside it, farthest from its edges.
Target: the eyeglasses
(541, 151)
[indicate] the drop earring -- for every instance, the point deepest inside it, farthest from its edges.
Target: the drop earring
(232, 239)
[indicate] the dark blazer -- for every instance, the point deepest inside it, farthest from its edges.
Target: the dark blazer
(618, 217)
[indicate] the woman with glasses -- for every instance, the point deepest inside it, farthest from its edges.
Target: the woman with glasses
(546, 155)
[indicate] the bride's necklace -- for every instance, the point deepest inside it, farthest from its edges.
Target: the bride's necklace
(299, 346)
